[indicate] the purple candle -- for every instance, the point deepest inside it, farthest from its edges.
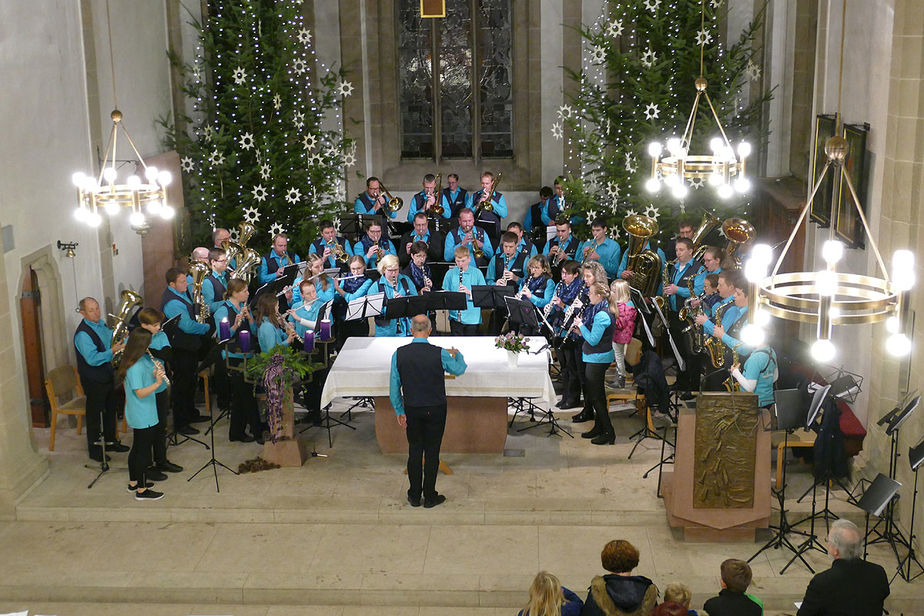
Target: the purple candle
(224, 329)
(309, 341)
(244, 337)
(325, 330)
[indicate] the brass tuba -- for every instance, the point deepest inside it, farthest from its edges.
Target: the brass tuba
(250, 258)
(706, 225)
(393, 204)
(644, 263)
(128, 301)
(738, 231)
(245, 232)
(199, 271)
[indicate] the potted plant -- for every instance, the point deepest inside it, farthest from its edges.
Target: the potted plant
(514, 344)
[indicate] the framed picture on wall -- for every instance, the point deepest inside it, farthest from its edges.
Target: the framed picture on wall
(848, 226)
(825, 125)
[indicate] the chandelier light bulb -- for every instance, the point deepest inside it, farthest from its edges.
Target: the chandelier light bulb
(78, 178)
(679, 191)
(111, 208)
(823, 350)
(730, 154)
(716, 145)
(725, 191)
(654, 149)
(109, 174)
(150, 173)
(674, 147)
(762, 253)
(832, 251)
(903, 276)
(755, 270)
(826, 282)
(94, 219)
(716, 179)
(154, 207)
(167, 212)
(761, 317)
(81, 214)
(136, 219)
(898, 345)
(672, 180)
(742, 185)
(744, 149)
(834, 312)
(164, 177)
(652, 185)
(893, 324)
(133, 181)
(753, 335)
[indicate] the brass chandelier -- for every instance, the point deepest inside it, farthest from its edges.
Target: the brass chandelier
(828, 297)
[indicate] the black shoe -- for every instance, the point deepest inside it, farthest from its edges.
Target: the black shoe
(198, 418)
(687, 396)
(259, 439)
(244, 438)
(569, 404)
(437, 500)
(134, 488)
(154, 475)
(604, 438)
(415, 502)
(148, 495)
(98, 457)
(187, 430)
(581, 417)
(168, 467)
(593, 432)
(117, 447)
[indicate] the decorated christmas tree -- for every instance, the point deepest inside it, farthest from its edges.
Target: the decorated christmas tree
(265, 141)
(637, 85)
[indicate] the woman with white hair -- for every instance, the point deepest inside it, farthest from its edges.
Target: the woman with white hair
(392, 284)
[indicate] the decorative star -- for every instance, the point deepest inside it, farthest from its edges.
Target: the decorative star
(299, 66)
(557, 131)
(251, 214)
(309, 141)
(293, 195)
(345, 88)
(598, 55)
(648, 58)
(276, 229)
(716, 3)
(631, 213)
(234, 234)
(315, 159)
(630, 163)
(259, 193)
(614, 230)
(332, 151)
(703, 37)
(265, 171)
(349, 159)
(753, 70)
(592, 214)
(240, 76)
(299, 120)
(277, 102)
(614, 28)
(565, 111)
(186, 164)
(651, 111)
(304, 36)
(216, 158)
(612, 189)
(696, 183)
(651, 212)
(246, 141)
(652, 5)
(207, 132)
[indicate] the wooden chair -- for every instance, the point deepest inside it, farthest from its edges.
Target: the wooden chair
(63, 382)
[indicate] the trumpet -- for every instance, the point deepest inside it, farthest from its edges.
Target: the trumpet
(393, 204)
(487, 205)
(438, 208)
(337, 251)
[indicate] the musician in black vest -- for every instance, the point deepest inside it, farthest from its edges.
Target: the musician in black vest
(455, 196)
(421, 233)
(373, 200)
(681, 274)
(489, 206)
(561, 247)
(273, 262)
(213, 293)
(418, 395)
(93, 343)
(539, 216)
(325, 244)
(187, 339)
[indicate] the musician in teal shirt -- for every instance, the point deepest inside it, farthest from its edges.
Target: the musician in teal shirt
(272, 329)
(463, 277)
(600, 248)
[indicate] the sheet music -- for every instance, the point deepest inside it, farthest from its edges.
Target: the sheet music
(368, 306)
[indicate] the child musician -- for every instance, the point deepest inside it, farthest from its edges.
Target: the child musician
(150, 319)
(392, 284)
(462, 278)
(624, 311)
(314, 273)
(566, 293)
(305, 319)
(596, 325)
(244, 410)
(272, 330)
(354, 286)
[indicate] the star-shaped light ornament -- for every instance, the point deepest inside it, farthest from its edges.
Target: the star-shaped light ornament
(631, 213)
(630, 163)
(309, 141)
(276, 229)
(293, 196)
(349, 159)
(598, 55)
(246, 141)
(277, 102)
(345, 88)
(697, 183)
(207, 132)
(234, 234)
(565, 111)
(753, 70)
(240, 76)
(703, 37)
(715, 4)
(259, 193)
(304, 36)
(614, 230)
(652, 5)
(251, 215)
(315, 159)
(651, 111)
(216, 158)
(612, 189)
(299, 120)
(299, 66)
(186, 164)
(651, 212)
(557, 131)
(648, 58)
(265, 171)
(614, 28)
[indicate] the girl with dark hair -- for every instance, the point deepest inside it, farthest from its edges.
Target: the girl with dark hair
(348, 290)
(160, 349)
(272, 329)
(143, 376)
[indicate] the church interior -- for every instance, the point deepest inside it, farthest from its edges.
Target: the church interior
(541, 93)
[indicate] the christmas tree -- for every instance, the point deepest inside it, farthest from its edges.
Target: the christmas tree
(636, 86)
(264, 143)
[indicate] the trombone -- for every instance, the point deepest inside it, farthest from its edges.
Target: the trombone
(393, 204)
(488, 204)
(438, 208)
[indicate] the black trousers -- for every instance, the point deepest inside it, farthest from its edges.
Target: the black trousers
(244, 410)
(183, 396)
(572, 370)
(458, 328)
(159, 442)
(595, 396)
(139, 458)
(101, 397)
(425, 427)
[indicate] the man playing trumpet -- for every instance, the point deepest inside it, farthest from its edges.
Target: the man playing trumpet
(326, 245)
(490, 205)
(372, 246)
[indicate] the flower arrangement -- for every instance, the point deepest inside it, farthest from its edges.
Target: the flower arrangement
(511, 341)
(277, 371)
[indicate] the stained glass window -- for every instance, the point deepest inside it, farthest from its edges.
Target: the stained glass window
(455, 78)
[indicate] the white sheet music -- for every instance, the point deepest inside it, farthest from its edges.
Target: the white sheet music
(372, 304)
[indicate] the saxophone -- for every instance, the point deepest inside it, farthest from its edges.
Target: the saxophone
(664, 299)
(714, 346)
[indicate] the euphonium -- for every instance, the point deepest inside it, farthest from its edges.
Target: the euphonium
(644, 263)
(706, 225)
(438, 208)
(738, 231)
(393, 204)
(199, 271)
(232, 249)
(128, 301)
(250, 258)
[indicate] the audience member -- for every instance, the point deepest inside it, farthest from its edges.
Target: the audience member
(547, 597)
(670, 608)
(675, 592)
(619, 592)
(732, 600)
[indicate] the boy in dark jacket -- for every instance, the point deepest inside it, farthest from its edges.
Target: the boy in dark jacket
(620, 593)
(732, 600)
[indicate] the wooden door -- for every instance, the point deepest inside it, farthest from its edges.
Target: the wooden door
(31, 310)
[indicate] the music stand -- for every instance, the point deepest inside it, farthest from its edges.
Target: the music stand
(491, 295)
(171, 327)
(214, 462)
(353, 226)
(522, 313)
(915, 459)
(365, 307)
(874, 500)
(790, 415)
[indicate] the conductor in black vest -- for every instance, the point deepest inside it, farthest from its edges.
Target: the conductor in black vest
(421, 406)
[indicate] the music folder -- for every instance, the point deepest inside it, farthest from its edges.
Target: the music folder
(492, 295)
(366, 306)
(905, 413)
(276, 287)
(522, 312)
(412, 305)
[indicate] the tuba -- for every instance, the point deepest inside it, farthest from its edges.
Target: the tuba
(644, 264)
(738, 231)
(245, 232)
(438, 208)
(393, 204)
(128, 301)
(706, 226)
(199, 272)
(250, 258)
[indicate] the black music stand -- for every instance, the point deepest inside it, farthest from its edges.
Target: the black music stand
(790, 415)
(522, 313)
(214, 462)
(492, 295)
(277, 287)
(880, 493)
(915, 459)
(174, 438)
(398, 228)
(353, 226)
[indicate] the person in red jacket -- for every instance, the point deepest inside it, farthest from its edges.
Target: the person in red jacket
(624, 310)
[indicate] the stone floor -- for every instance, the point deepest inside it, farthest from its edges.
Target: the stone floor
(336, 536)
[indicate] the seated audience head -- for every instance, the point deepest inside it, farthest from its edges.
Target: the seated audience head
(678, 593)
(670, 608)
(619, 556)
(844, 540)
(619, 292)
(545, 596)
(736, 575)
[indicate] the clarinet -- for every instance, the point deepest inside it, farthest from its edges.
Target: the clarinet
(547, 310)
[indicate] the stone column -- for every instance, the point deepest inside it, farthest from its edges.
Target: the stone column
(20, 464)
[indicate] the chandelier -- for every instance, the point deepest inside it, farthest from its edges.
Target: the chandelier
(828, 297)
(104, 192)
(723, 168)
